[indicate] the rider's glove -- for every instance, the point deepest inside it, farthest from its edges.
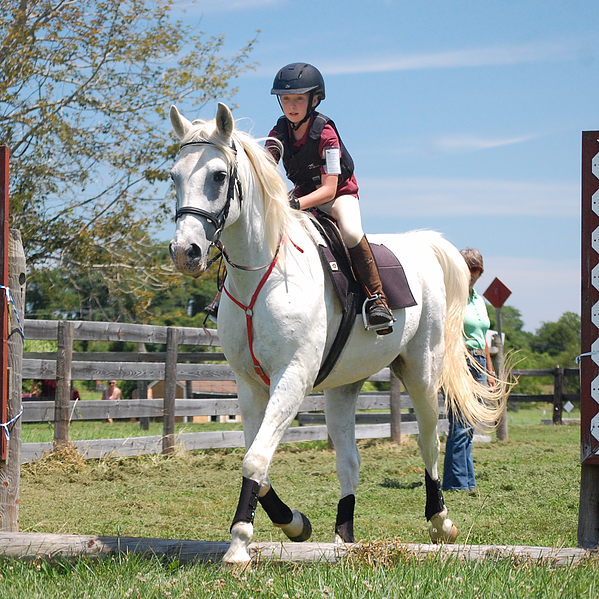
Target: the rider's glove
(294, 202)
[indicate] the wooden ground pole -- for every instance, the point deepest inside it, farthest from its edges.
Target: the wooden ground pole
(30, 546)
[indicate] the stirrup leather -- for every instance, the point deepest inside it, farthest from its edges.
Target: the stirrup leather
(374, 327)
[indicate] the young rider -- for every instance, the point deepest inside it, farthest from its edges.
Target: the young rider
(322, 171)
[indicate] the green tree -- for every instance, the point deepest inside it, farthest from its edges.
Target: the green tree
(84, 85)
(553, 344)
(180, 301)
(512, 326)
(555, 338)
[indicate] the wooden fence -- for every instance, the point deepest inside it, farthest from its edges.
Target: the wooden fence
(172, 366)
(558, 398)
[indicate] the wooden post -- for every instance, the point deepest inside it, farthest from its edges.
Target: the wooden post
(558, 395)
(588, 513)
(395, 407)
(588, 510)
(502, 426)
(170, 390)
(62, 401)
(142, 393)
(5, 310)
(10, 470)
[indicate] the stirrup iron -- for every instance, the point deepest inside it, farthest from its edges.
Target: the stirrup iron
(374, 327)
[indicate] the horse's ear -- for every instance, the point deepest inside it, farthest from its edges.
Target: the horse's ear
(224, 121)
(180, 124)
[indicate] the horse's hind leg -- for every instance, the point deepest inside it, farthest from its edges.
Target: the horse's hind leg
(293, 523)
(340, 408)
(425, 400)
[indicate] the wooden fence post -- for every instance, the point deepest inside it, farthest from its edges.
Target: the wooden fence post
(170, 390)
(10, 471)
(142, 393)
(588, 513)
(558, 395)
(502, 425)
(395, 407)
(5, 311)
(62, 401)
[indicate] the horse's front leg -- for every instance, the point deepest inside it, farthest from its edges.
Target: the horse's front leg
(262, 438)
(253, 398)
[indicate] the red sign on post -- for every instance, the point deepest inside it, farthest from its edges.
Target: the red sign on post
(497, 293)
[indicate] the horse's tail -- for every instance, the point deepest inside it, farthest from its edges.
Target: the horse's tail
(478, 404)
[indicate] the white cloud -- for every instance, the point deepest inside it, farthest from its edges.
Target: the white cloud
(468, 143)
(471, 57)
(426, 196)
(541, 289)
(211, 6)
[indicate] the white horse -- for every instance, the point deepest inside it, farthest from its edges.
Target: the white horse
(279, 315)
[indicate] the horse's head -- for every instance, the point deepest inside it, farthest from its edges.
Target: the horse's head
(206, 185)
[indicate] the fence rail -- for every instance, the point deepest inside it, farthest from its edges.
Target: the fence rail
(188, 366)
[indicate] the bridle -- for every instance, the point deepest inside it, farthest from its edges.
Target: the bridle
(219, 219)
(219, 222)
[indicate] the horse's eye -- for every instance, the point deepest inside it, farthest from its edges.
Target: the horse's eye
(220, 177)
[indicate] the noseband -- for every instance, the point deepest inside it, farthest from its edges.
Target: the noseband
(218, 220)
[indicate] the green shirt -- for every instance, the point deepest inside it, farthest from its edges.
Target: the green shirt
(476, 322)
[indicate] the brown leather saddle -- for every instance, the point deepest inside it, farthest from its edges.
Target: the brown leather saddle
(337, 263)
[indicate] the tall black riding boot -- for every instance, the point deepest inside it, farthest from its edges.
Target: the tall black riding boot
(378, 315)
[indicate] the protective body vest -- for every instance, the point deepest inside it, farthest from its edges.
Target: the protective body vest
(303, 167)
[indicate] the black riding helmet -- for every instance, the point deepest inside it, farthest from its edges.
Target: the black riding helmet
(299, 78)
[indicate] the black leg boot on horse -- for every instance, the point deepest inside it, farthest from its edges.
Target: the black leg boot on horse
(378, 316)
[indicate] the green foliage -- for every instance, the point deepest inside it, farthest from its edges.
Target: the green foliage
(557, 338)
(553, 344)
(84, 89)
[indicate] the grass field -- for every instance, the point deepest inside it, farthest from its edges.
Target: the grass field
(527, 494)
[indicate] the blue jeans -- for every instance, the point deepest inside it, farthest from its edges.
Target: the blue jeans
(458, 469)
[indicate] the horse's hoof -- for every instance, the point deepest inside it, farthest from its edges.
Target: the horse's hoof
(438, 536)
(344, 533)
(306, 528)
(241, 535)
(339, 541)
(238, 557)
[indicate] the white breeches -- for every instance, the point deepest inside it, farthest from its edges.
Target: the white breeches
(346, 211)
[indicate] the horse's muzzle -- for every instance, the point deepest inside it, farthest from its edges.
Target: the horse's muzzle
(188, 257)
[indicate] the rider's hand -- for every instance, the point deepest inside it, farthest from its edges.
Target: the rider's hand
(293, 201)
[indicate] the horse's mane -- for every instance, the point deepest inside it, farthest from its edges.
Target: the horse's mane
(278, 215)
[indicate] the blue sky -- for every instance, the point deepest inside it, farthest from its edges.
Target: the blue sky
(463, 117)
